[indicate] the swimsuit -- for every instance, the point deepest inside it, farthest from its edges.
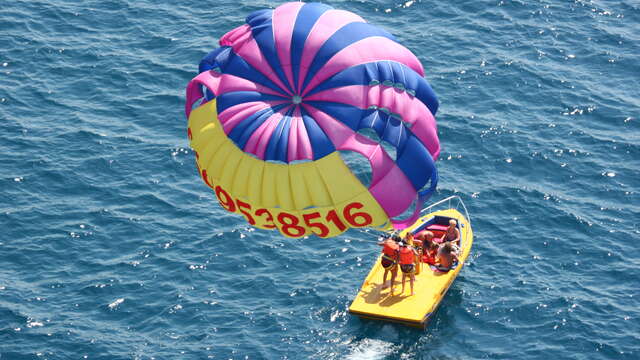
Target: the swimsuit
(387, 262)
(442, 269)
(407, 268)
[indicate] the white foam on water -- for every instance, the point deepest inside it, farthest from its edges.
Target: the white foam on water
(371, 349)
(115, 304)
(31, 324)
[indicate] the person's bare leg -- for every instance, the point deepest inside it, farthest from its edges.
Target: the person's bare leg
(384, 279)
(403, 277)
(394, 272)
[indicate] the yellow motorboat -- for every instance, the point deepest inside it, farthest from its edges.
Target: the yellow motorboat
(374, 302)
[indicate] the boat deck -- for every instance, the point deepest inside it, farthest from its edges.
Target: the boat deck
(430, 286)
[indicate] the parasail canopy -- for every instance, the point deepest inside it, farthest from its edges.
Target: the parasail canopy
(288, 96)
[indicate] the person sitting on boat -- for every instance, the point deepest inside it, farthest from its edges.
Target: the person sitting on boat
(452, 234)
(389, 259)
(407, 266)
(424, 236)
(430, 249)
(446, 257)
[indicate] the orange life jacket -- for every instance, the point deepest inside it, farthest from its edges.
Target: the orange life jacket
(406, 256)
(430, 256)
(390, 249)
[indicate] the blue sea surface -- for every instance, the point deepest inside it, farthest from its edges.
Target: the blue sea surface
(111, 246)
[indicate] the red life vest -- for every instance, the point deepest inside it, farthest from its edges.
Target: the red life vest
(390, 249)
(429, 256)
(406, 256)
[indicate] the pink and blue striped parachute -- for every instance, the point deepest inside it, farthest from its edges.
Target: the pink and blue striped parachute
(275, 106)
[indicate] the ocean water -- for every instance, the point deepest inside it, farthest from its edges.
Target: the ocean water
(111, 247)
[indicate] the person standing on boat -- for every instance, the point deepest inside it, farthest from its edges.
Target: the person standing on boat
(407, 265)
(416, 245)
(389, 261)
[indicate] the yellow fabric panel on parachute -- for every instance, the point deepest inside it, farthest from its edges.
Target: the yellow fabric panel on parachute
(321, 197)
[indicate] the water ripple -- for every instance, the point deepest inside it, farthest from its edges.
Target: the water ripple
(113, 248)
